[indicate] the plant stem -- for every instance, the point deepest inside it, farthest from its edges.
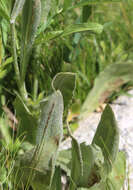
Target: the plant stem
(16, 68)
(21, 86)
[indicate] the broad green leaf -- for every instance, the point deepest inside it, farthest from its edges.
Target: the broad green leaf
(107, 137)
(27, 122)
(92, 164)
(109, 80)
(65, 82)
(18, 6)
(31, 16)
(115, 180)
(39, 162)
(92, 161)
(81, 27)
(76, 164)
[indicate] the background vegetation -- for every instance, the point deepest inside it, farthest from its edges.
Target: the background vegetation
(89, 38)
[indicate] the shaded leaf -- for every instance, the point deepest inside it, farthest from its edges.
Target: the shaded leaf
(56, 184)
(92, 164)
(76, 164)
(27, 122)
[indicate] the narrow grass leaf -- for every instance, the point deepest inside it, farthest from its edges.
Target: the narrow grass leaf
(30, 21)
(81, 27)
(18, 6)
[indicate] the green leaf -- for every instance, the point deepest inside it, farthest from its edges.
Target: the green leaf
(63, 161)
(31, 16)
(65, 82)
(45, 9)
(18, 6)
(56, 185)
(107, 137)
(92, 164)
(4, 13)
(116, 178)
(67, 4)
(76, 164)
(86, 12)
(27, 121)
(42, 38)
(81, 27)
(109, 80)
(39, 162)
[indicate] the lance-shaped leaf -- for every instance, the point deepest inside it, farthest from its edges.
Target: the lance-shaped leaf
(107, 137)
(18, 6)
(31, 16)
(82, 27)
(65, 82)
(39, 163)
(109, 80)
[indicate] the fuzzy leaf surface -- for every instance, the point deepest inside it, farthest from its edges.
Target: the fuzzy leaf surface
(109, 80)
(107, 137)
(65, 82)
(39, 162)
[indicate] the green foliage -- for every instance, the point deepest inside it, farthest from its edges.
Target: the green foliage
(107, 137)
(44, 43)
(65, 82)
(101, 162)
